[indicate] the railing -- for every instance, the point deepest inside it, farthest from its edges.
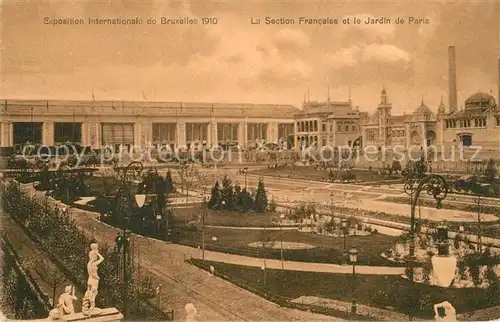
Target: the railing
(278, 299)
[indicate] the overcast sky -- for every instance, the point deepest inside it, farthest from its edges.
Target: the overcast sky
(235, 61)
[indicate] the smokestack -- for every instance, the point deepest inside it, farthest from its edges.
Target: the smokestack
(452, 79)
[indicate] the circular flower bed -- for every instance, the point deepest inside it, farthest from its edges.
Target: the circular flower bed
(277, 245)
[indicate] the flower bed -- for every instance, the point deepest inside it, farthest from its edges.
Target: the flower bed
(281, 245)
(473, 269)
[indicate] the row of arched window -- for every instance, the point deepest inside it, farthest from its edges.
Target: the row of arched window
(306, 140)
(307, 126)
(465, 123)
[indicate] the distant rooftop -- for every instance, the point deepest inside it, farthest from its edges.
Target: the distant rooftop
(160, 108)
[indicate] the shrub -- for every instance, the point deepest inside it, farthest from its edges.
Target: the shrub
(261, 197)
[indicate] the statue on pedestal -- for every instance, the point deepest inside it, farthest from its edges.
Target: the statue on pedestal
(95, 258)
(65, 305)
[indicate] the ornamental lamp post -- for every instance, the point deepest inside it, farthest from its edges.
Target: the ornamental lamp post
(343, 224)
(245, 171)
(353, 257)
(122, 249)
(436, 186)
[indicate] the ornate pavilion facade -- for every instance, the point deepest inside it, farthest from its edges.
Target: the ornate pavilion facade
(476, 124)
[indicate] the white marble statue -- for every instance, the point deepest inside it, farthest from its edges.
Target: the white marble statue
(65, 304)
(95, 258)
(449, 312)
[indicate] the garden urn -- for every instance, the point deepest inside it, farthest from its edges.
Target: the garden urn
(443, 269)
(400, 248)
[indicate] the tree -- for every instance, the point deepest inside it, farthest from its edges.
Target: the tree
(490, 172)
(227, 193)
(215, 198)
(396, 166)
(169, 183)
(260, 197)
(247, 202)
(237, 198)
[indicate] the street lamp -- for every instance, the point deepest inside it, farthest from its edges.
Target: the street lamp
(203, 217)
(436, 186)
(343, 224)
(245, 171)
(331, 202)
(122, 249)
(353, 257)
(282, 216)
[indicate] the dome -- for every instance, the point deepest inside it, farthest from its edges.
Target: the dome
(422, 113)
(422, 109)
(479, 98)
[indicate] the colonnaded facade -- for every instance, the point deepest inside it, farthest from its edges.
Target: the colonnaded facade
(178, 125)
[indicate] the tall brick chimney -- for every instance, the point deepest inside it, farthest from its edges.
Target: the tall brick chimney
(452, 79)
(498, 84)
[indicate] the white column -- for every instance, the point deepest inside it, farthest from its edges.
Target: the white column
(2, 134)
(241, 134)
(407, 135)
(245, 132)
(10, 133)
(85, 133)
(137, 133)
(424, 135)
(272, 132)
(181, 134)
(48, 133)
(214, 138)
(94, 133)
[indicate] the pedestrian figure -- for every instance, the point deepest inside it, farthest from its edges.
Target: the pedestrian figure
(191, 313)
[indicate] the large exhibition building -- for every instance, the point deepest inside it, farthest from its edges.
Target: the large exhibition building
(185, 125)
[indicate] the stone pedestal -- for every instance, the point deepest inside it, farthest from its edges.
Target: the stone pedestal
(106, 315)
(443, 269)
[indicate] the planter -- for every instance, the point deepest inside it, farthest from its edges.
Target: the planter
(399, 248)
(443, 270)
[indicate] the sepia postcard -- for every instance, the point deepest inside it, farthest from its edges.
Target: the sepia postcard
(250, 160)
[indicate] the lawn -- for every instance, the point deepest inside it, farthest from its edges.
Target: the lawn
(386, 292)
(226, 218)
(310, 173)
(327, 249)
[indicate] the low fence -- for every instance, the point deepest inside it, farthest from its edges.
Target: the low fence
(278, 299)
